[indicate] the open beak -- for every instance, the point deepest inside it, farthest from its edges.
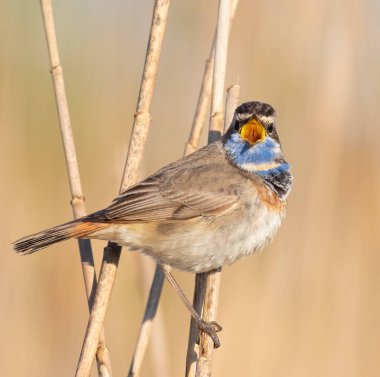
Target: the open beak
(253, 132)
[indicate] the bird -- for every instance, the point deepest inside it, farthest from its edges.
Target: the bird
(208, 209)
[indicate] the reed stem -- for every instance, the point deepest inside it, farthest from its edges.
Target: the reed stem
(209, 282)
(77, 197)
(140, 130)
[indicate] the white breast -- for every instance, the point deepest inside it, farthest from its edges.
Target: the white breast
(201, 244)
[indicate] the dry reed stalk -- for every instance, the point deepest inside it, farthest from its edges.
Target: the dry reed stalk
(204, 96)
(77, 202)
(201, 280)
(154, 337)
(146, 326)
(202, 106)
(210, 283)
(155, 340)
(135, 153)
(232, 102)
(192, 345)
(219, 72)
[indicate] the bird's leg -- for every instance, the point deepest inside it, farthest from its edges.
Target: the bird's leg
(210, 328)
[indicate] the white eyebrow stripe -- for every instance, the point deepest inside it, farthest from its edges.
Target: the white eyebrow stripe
(263, 118)
(266, 119)
(243, 116)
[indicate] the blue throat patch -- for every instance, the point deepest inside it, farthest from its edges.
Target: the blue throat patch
(254, 159)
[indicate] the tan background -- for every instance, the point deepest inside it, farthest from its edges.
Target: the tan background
(307, 306)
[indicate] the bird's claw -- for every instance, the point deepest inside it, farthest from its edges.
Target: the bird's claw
(211, 328)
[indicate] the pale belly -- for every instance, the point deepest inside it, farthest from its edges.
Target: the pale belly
(201, 244)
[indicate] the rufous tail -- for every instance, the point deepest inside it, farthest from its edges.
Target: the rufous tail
(74, 229)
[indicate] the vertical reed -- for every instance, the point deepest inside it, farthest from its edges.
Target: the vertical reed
(210, 281)
(77, 197)
(141, 125)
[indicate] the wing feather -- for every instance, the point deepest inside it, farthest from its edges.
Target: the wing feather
(198, 185)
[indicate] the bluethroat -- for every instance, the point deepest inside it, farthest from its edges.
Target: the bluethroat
(208, 209)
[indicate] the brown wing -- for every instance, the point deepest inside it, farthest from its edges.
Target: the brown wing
(202, 184)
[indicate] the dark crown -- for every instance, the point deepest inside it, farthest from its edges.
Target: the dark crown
(255, 108)
(246, 111)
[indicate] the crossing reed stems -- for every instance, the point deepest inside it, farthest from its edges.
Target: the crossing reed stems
(77, 197)
(142, 121)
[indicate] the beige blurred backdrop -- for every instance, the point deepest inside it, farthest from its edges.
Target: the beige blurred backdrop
(308, 305)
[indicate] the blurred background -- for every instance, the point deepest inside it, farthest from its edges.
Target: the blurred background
(309, 304)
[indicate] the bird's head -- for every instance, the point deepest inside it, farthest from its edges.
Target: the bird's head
(252, 142)
(254, 122)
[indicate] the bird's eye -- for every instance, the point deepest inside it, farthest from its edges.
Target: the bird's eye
(270, 128)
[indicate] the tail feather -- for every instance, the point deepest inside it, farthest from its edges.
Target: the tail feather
(72, 229)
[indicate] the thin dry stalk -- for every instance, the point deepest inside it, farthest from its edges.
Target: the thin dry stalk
(192, 345)
(219, 72)
(204, 96)
(232, 101)
(146, 326)
(212, 284)
(211, 287)
(202, 106)
(77, 202)
(201, 280)
(135, 153)
(155, 335)
(156, 339)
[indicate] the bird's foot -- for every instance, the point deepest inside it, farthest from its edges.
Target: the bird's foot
(210, 328)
